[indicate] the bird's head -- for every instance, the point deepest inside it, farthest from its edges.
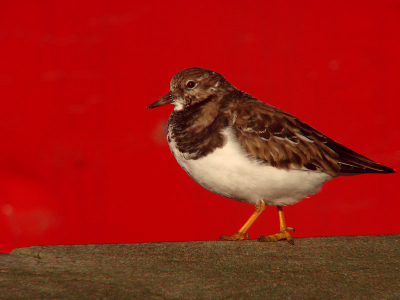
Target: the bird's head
(193, 85)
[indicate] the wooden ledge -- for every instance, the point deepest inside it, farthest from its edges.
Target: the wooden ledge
(366, 267)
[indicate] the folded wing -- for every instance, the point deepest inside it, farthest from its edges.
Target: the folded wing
(283, 141)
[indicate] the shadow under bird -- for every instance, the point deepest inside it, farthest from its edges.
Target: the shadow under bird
(241, 148)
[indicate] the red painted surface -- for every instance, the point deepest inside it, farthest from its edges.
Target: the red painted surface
(83, 161)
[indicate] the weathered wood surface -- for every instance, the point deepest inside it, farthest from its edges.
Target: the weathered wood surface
(357, 267)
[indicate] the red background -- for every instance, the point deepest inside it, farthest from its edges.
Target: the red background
(83, 161)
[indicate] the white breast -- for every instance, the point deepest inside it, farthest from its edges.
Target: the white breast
(229, 172)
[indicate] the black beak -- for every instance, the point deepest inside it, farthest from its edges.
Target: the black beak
(166, 99)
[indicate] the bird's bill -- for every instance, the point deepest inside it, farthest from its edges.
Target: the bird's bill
(166, 99)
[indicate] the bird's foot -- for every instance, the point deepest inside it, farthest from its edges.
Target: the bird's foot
(281, 235)
(236, 237)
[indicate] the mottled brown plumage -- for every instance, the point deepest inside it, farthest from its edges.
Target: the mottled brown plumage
(265, 132)
(286, 142)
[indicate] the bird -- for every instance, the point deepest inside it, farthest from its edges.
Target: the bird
(244, 149)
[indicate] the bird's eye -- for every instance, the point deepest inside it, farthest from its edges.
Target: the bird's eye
(190, 84)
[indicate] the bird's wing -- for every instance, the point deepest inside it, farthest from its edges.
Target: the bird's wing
(285, 142)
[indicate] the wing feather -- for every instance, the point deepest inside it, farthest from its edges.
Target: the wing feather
(283, 141)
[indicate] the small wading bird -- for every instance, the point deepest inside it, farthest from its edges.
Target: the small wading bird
(241, 148)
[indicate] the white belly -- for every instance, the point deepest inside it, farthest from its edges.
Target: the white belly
(230, 173)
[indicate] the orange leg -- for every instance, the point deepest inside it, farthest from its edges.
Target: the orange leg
(283, 233)
(242, 233)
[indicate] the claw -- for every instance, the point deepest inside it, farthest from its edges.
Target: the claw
(281, 235)
(238, 236)
(290, 241)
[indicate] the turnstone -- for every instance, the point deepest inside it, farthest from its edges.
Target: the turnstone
(241, 148)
